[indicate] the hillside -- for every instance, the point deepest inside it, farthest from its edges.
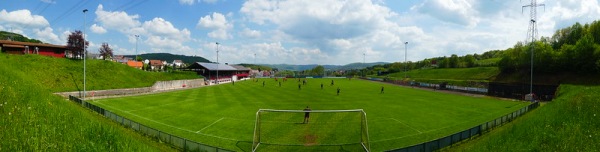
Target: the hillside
(16, 37)
(170, 57)
(60, 75)
(568, 123)
(455, 76)
(33, 119)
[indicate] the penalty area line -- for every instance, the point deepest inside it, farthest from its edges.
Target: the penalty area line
(210, 125)
(420, 132)
(152, 120)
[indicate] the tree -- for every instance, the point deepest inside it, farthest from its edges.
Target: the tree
(105, 51)
(469, 60)
(75, 43)
(453, 61)
(318, 70)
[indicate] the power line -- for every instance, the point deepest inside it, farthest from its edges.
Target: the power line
(119, 9)
(68, 12)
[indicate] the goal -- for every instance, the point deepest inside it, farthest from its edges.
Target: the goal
(326, 130)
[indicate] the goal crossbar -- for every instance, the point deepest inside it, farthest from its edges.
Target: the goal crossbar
(302, 111)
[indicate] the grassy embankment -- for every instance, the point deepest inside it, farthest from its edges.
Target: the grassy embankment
(33, 119)
(568, 123)
(454, 76)
(60, 75)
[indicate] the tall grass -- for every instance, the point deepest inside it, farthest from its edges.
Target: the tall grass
(569, 123)
(33, 119)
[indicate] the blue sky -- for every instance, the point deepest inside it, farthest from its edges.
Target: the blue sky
(294, 31)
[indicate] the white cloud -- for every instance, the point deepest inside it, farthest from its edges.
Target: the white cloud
(47, 35)
(250, 33)
(218, 23)
(158, 34)
(340, 30)
(97, 29)
(161, 27)
(187, 2)
(22, 19)
(461, 12)
(116, 20)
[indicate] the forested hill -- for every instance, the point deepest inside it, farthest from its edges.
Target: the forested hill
(170, 57)
(574, 49)
(16, 37)
(570, 53)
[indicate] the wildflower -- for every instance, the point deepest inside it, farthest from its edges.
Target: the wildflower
(9, 113)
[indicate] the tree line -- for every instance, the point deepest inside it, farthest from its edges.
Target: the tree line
(573, 49)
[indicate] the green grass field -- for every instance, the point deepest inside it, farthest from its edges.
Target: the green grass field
(224, 115)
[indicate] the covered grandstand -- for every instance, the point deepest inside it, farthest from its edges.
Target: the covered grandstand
(225, 72)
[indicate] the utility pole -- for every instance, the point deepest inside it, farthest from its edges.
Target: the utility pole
(364, 64)
(136, 47)
(405, 53)
(532, 33)
(84, 52)
(217, 81)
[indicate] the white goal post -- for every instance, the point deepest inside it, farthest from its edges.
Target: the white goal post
(327, 128)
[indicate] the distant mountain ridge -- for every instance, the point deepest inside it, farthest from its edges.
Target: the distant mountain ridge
(350, 66)
(191, 59)
(170, 57)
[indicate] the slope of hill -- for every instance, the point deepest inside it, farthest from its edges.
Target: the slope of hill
(33, 119)
(568, 123)
(170, 57)
(59, 74)
(16, 37)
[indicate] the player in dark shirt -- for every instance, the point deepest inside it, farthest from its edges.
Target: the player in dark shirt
(306, 114)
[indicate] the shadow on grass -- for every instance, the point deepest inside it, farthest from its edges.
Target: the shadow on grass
(76, 85)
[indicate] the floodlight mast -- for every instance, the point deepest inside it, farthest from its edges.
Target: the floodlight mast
(84, 52)
(405, 53)
(532, 33)
(217, 80)
(136, 46)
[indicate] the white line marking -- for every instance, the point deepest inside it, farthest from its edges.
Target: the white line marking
(210, 125)
(168, 124)
(155, 106)
(406, 125)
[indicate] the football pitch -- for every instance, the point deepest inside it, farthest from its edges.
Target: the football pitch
(224, 115)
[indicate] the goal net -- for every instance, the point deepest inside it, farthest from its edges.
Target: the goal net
(326, 130)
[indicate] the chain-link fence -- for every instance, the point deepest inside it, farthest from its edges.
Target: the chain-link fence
(175, 141)
(468, 133)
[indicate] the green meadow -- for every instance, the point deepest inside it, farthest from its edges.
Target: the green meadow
(224, 115)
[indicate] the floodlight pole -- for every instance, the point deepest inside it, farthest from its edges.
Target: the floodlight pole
(136, 47)
(217, 81)
(364, 64)
(84, 52)
(405, 53)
